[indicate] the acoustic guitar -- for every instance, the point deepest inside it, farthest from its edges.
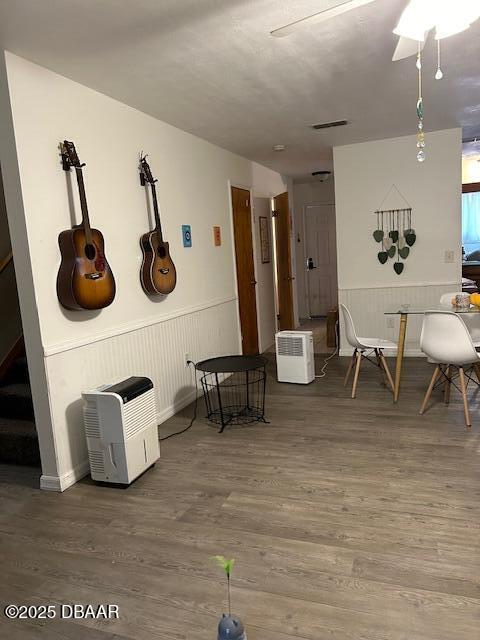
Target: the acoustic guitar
(158, 274)
(85, 280)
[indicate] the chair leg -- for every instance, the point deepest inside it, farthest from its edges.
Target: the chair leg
(446, 391)
(463, 387)
(477, 371)
(430, 389)
(350, 367)
(357, 372)
(387, 371)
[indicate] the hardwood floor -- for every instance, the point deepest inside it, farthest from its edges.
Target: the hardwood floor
(348, 519)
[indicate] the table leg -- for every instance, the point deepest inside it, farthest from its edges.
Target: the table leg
(400, 350)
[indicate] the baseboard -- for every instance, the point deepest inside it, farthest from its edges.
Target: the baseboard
(66, 480)
(409, 353)
(177, 406)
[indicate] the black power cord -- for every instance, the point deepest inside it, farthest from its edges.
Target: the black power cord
(323, 370)
(194, 417)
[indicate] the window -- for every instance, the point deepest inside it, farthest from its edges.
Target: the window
(471, 220)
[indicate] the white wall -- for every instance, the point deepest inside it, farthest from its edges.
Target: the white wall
(267, 183)
(307, 193)
(363, 175)
(200, 316)
(265, 276)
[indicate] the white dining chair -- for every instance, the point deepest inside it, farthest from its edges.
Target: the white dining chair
(447, 343)
(472, 320)
(361, 346)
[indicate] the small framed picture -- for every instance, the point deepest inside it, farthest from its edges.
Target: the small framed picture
(264, 239)
(186, 235)
(217, 236)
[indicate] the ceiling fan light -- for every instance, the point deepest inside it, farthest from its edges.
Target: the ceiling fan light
(415, 21)
(412, 32)
(454, 17)
(445, 30)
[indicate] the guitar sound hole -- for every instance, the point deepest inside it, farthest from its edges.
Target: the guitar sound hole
(161, 252)
(90, 251)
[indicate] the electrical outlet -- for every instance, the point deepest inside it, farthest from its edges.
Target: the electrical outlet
(187, 358)
(390, 322)
(449, 256)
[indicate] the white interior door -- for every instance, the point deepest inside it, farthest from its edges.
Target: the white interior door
(320, 258)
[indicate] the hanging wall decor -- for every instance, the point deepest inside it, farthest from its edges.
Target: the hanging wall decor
(186, 236)
(394, 233)
(264, 239)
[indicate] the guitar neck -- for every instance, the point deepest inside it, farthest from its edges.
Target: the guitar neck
(83, 204)
(158, 226)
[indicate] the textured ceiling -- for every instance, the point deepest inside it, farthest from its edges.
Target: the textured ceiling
(210, 67)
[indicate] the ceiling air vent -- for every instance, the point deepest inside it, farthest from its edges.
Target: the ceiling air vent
(328, 125)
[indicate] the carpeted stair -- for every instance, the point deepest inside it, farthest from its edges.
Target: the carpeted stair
(18, 435)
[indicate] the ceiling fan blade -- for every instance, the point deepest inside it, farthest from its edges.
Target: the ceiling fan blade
(406, 48)
(320, 16)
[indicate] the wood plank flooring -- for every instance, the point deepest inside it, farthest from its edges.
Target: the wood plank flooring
(348, 519)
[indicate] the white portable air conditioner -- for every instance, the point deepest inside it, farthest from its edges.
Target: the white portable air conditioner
(295, 361)
(121, 429)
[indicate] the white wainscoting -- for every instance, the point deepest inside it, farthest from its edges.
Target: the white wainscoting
(368, 307)
(156, 351)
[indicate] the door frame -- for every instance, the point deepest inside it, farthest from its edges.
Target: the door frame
(238, 185)
(304, 269)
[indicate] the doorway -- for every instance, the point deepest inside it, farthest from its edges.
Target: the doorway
(320, 259)
(246, 281)
(283, 262)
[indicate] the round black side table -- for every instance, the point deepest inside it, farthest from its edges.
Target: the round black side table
(234, 389)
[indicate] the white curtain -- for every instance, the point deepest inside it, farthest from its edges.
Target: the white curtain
(471, 218)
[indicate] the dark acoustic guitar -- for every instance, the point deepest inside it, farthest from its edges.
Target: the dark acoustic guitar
(85, 280)
(158, 274)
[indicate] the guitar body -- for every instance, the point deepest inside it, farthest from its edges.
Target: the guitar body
(158, 274)
(85, 280)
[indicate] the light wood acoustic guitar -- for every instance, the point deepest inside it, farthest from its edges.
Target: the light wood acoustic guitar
(158, 274)
(85, 280)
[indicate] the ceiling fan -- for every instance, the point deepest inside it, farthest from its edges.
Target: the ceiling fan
(417, 20)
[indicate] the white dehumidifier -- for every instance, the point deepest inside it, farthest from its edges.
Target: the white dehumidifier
(121, 429)
(295, 361)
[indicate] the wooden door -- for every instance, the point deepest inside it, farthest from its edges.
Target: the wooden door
(321, 259)
(283, 262)
(242, 228)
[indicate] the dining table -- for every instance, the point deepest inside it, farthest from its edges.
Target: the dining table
(404, 311)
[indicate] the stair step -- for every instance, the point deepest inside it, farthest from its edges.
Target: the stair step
(18, 372)
(16, 401)
(19, 442)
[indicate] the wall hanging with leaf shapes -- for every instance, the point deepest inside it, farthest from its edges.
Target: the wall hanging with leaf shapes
(395, 234)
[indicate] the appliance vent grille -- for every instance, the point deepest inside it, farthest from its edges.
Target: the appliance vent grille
(96, 461)
(290, 346)
(92, 422)
(139, 413)
(328, 125)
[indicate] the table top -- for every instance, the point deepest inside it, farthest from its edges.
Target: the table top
(231, 364)
(409, 309)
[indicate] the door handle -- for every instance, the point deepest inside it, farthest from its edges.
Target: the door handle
(253, 282)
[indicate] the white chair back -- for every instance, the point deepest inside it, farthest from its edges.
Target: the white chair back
(445, 339)
(350, 329)
(446, 299)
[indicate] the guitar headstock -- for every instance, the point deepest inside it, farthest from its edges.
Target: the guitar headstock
(145, 171)
(70, 156)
